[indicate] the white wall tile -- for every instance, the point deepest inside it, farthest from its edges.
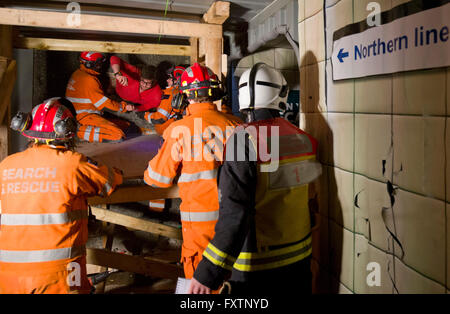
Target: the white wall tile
(338, 16)
(373, 94)
(447, 208)
(447, 144)
(340, 148)
(340, 187)
(266, 56)
(364, 255)
(420, 226)
(315, 88)
(372, 198)
(409, 281)
(301, 10)
(315, 37)
(373, 145)
(312, 7)
(360, 8)
(419, 150)
(341, 253)
(285, 59)
(340, 94)
(420, 92)
(316, 125)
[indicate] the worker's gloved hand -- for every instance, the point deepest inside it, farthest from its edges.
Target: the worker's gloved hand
(127, 107)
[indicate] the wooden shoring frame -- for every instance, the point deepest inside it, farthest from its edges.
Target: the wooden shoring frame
(204, 37)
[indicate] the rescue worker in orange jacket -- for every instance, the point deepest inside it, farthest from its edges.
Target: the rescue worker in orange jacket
(166, 113)
(263, 235)
(85, 92)
(192, 149)
(44, 212)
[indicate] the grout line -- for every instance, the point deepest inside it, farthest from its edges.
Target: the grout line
(445, 180)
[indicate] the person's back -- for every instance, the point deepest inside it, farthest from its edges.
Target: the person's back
(85, 92)
(44, 210)
(193, 149)
(263, 235)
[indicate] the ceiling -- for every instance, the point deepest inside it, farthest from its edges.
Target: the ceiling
(241, 10)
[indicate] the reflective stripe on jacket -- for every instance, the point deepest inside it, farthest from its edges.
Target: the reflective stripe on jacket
(85, 92)
(43, 223)
(194, 143)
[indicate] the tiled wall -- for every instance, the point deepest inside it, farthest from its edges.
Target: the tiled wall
(282, 59)
(375, 130)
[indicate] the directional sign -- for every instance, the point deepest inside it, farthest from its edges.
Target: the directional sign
(409, 42)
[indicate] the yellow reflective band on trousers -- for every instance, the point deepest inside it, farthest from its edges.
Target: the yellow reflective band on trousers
(219, 258)
(275, 258)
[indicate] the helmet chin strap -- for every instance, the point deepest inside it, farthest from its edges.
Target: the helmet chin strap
(250, 116)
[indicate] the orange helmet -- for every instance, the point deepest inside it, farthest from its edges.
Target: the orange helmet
(92, 60)
(199, 81)
(48, 121)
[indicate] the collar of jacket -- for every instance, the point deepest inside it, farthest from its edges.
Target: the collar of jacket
(199, 107)
(92, 72)
(266, 114)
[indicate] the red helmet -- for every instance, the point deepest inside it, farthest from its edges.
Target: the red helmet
(49, 121)
(92, 60)
(199, 81)
(177, 72)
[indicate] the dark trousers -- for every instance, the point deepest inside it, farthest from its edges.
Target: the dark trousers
(292, 279)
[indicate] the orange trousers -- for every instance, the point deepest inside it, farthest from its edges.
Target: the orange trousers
(95, 128)
(44, 281)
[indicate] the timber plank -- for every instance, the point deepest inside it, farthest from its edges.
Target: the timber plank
(128, 194)
(134, 264)
(136, 223)
(92, 22)
(6, 88)
(100, 46)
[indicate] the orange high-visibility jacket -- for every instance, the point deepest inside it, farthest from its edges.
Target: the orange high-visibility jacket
(165, 114)
(84, 90)
(43, 222)
(185, 142)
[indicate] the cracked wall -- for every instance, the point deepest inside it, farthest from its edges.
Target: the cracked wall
(384, 194)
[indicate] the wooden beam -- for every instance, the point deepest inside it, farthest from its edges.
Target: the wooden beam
(93, 22)
(6, 49)
(136, 223)
(135, 194)
(133, 264)
(101, 46)
(6, 88)
(218, 13)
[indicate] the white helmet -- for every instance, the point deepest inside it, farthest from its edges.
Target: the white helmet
(262, 87)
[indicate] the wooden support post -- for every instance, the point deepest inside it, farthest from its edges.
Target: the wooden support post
(194, 50)
(213, 57)
(6, 50)
(134, 264)
(6, 89)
